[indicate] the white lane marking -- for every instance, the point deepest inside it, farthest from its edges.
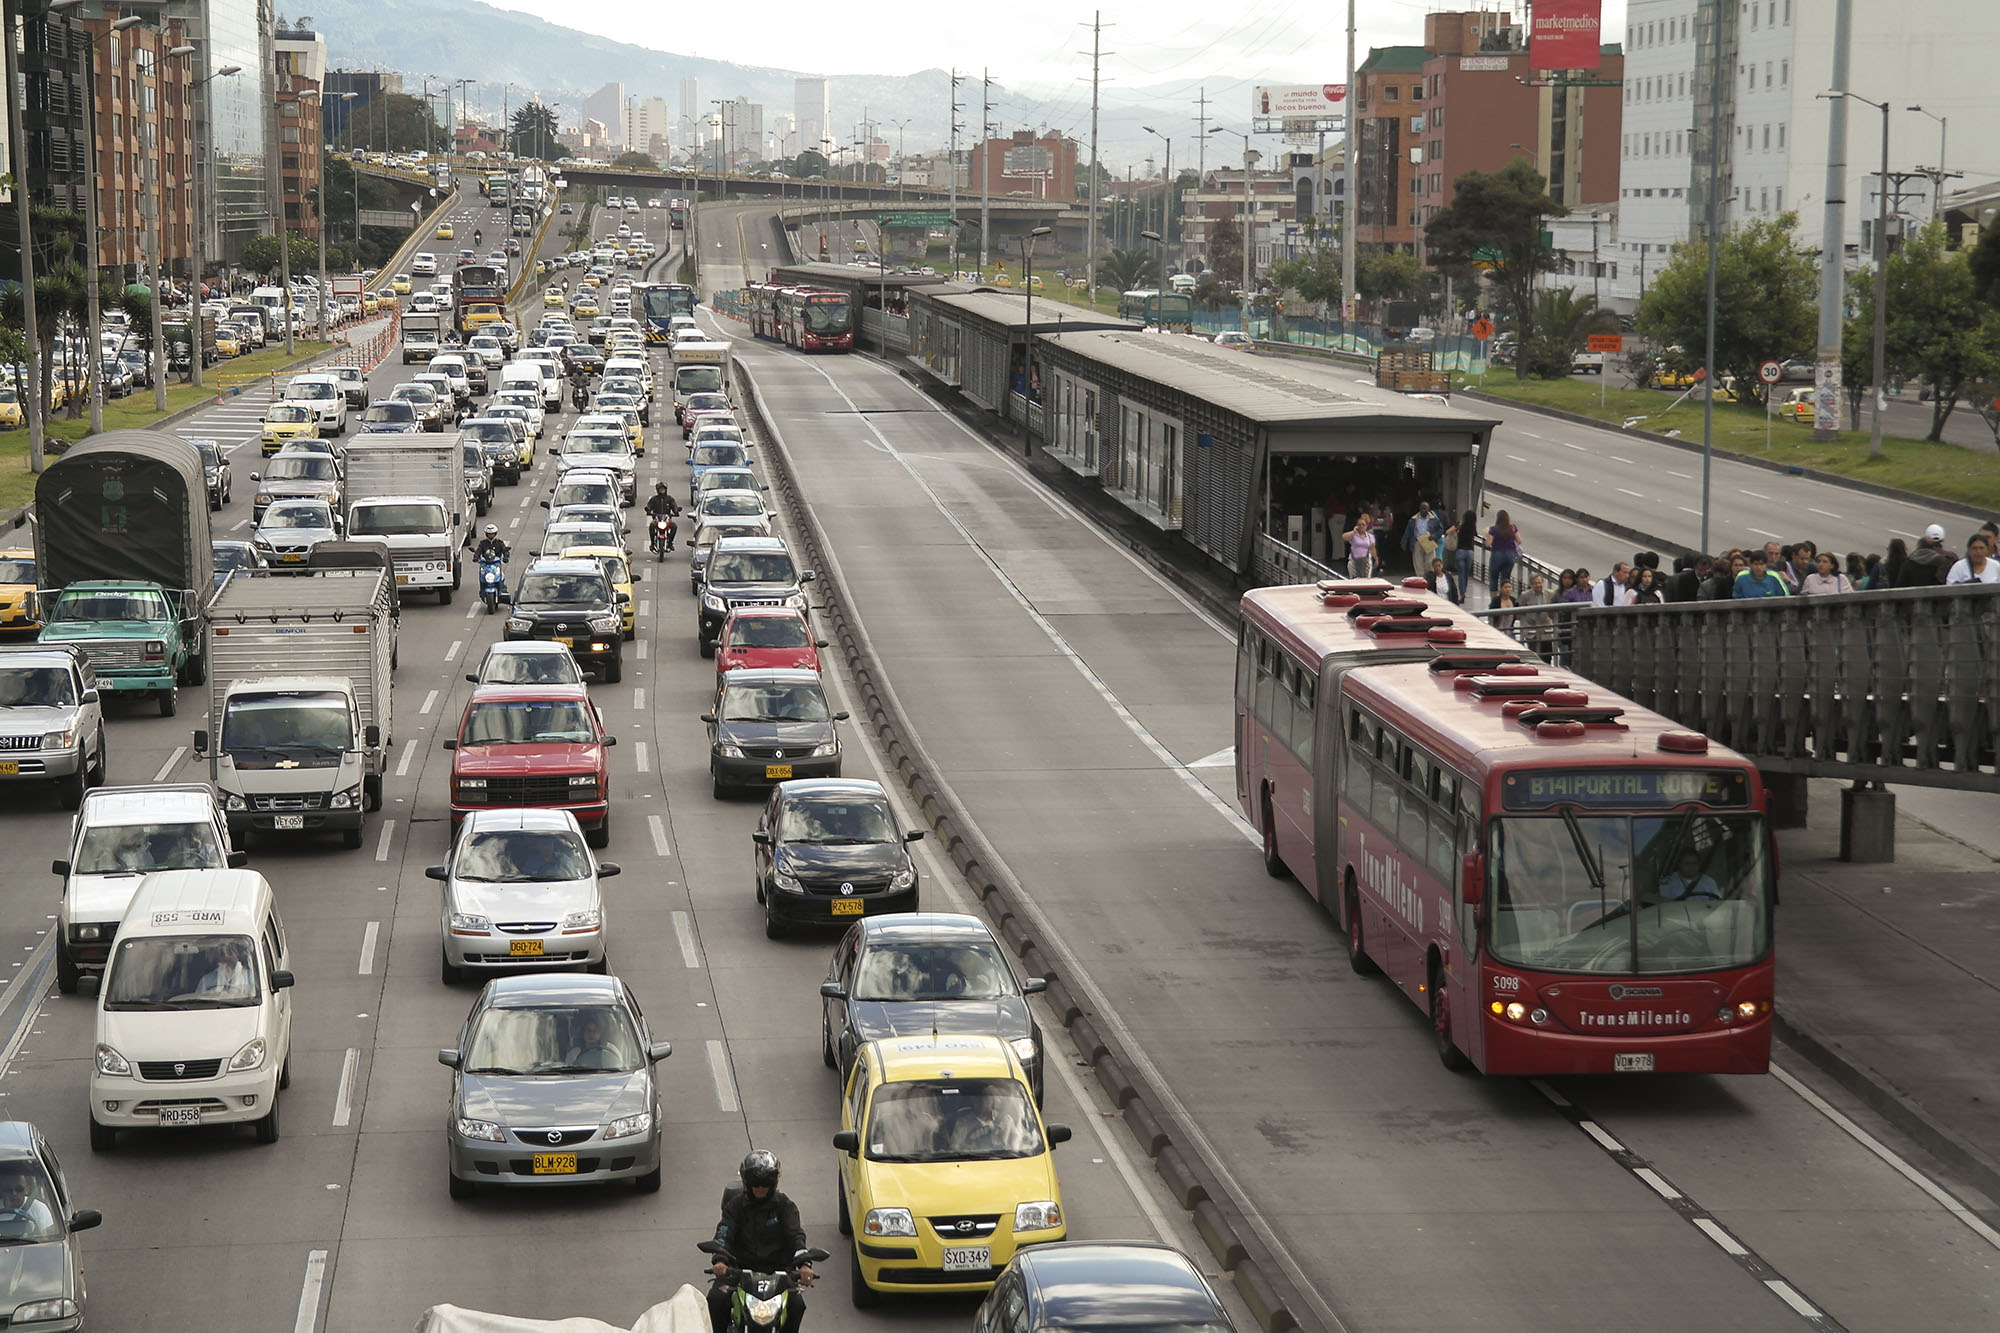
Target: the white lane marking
(1541, 1086)
(725, 1081)
(368, 938)
(1560, 473)
(343, 1097)
(382, 843)
(1616, 459)
(1684, 476)
(1604, 1139)
(1516, 458)
(451, 653)
(239, 525)
(1889, 1157)
(1567, 445)
(308, 1316)
(642, 650)
(646, 607)
(1765, 532)
(1636, 495)
(1223, 758)
(1530, 434)
(168, 767)
(684, 932)
(409, 753)
(1729, 1243)
(429, 699)
(1784, 1292)
(1660, 1187)
(527, 499)
(474, 608)
(658, 828)
(639, 755)
(1823, 513)
(639, 699)
(1753, 495)
(1685, 510)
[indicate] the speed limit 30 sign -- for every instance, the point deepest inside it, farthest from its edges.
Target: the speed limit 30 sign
(1770, 372)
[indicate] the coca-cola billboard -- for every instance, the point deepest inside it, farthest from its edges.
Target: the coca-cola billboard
(1563, 34)
(1320, 99)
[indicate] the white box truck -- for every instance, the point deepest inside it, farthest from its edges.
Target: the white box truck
(409, 491)
(298, 729)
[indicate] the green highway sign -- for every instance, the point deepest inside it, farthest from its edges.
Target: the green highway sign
(934, 219)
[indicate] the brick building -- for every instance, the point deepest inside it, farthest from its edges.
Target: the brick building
(1041, 168)
(301, 73)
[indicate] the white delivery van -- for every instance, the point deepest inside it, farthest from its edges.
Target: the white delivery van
(194, 1012)
(524, 375)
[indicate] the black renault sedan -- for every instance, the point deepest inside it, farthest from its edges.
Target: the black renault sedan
(921, 972)
(1101, 1287)
(827, 850)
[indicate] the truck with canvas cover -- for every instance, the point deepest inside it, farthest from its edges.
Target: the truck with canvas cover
(299, 700)
(123, 560)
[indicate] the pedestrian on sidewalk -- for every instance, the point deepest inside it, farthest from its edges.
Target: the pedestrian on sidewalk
(1503, 551)
(1461, 543)
(1360, 541)
(1613, 590)
(1646, 588)
(1758, 580)
(1422, 535)
(1929, 563)
(1580, 590)
(1890, 569)
(1978, 565)
(1828, 578)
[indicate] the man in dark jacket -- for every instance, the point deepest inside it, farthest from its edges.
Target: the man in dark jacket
(1929, 561)
(761, 1230)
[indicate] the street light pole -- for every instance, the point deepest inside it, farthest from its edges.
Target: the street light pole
(94, 318)
(1937, 178)
(1248, 224)
(197, 348)
(1881, 255)
(1166, 205)
(1028, 338)
(157, 233)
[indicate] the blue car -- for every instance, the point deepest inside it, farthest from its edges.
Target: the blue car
(390, 416)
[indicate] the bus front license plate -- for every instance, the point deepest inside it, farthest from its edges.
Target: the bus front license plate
(775, 772)
(555, 1163)
(288, 821)
(1639, 1063)
(967, 1258)
(180, 1115)
(847, 907)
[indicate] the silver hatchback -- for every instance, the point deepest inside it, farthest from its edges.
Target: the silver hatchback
(553, 1083)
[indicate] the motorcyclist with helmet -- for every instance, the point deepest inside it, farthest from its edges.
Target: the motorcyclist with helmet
(663, 502)
(761, 1230)
(491, 547)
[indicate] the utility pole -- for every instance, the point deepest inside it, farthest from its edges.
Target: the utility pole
(1090, 238)
(952, 168)
(1832, 238)
(985, 162)
(1349, 226)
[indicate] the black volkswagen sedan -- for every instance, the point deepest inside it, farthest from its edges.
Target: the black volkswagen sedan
(1101, 1287)
(920, 972)
(827, 850)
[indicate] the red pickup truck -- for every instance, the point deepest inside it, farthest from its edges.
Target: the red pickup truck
(533, 745)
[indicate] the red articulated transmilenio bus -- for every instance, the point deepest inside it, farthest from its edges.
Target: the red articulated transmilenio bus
(815, 320)
(1566, 882)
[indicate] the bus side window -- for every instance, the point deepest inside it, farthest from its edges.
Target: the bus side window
(1281, 703)
(1414, 832)
(1303, 720)
(1265, 684)
(1246, 664)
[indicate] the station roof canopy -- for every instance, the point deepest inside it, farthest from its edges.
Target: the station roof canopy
(1009, 310)
(849, 276)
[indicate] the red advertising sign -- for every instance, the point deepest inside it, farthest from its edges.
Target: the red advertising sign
(1563, 34)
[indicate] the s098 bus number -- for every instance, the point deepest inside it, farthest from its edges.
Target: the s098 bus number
(1507, 983)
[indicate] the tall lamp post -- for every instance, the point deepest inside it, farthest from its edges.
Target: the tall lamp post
(94, 319)
(1166, 205)
(1028, 337)
(1248, 223)
(1937, 188)
(1161, 242)
(1881, 276)
(196, 348)
(319, 213)
(902, 161)
(157, 232)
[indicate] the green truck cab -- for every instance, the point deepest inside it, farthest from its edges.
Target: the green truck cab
(124, 561)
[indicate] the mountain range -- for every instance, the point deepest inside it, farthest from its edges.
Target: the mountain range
(448, 40)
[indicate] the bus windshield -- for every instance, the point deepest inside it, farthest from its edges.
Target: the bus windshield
(1629, 894)
(827, 314)
(666, 301)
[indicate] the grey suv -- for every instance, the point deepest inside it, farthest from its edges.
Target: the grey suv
(51, 724)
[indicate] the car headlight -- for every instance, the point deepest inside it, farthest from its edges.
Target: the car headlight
(1024, 1047)
(788, 883)
(582, 780)
(586, 920)
(517, 625)
(250, 1057)
(58, 740)
(90, 932)
(823, 751)
(468, 923)
(1041, 1215)
(56, 1307)
(603, 624)
(471, 784)
(888, 1222)
(110, 1062)
(629, 1126)
(346, 800)
(904, 879)
(233, 802)
(728, 751)
(483, 1130)
(710, 602)
(797, 601)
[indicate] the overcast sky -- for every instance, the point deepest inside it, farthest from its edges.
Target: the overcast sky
(1027, 43)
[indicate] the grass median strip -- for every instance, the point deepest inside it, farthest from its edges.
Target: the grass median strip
(1948, 471)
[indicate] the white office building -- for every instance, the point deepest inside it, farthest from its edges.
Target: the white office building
(812, 113)
(687, 121)
(1778, 55)
(651, 126)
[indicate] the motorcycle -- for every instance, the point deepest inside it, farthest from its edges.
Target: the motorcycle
(663, 530)
(579, 396)
(758, 1300)
(492, 583)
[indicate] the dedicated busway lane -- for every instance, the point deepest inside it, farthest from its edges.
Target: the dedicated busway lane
(1371, 1166)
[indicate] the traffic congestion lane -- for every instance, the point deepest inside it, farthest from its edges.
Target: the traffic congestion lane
(1471, 1112)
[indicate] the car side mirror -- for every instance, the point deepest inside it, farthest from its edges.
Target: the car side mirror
(608, 869)
(611, 740)
(283, 980)
(450, 1059)
(89, 984)
(1034, 985)
(451, 745)
(706, 717)
(821, 643)
(83, 1219)
(472, 676)
(238, 859)
(59, 867)
(848, 1142)
(808, 576)
(256, 476)
(833, 990)
(914, 835)
(622, 598)
(761, 838)
(1058, 1134)
(200, 744)
(371, 736)
(436, 872)
(840, 717)
(91, 696)
(545, 504)
(659, 1050)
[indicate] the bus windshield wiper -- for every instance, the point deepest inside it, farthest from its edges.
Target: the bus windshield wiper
(1590, 866)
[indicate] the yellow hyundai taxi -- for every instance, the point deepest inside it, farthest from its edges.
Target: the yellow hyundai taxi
(617, 568)
(227, 343)
(585, 306)
(946, 1168)
(445, 232)
(552, 299)
(17, 590)
(400, 284)
(285, 421)
(371, 303)
(10, 408)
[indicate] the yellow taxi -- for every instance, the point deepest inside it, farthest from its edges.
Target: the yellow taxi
(445, 232)
(286, 421)
(11, 417)
(1002, 280)
(585, 306)
(400, 284)
(552, 299)
(946, 1167)
(17, 590)
(227, 344)
(371, 303)
(618, 568)
(1797, 405)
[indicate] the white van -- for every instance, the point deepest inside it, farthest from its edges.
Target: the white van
(528, 375)
(194, 1011)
